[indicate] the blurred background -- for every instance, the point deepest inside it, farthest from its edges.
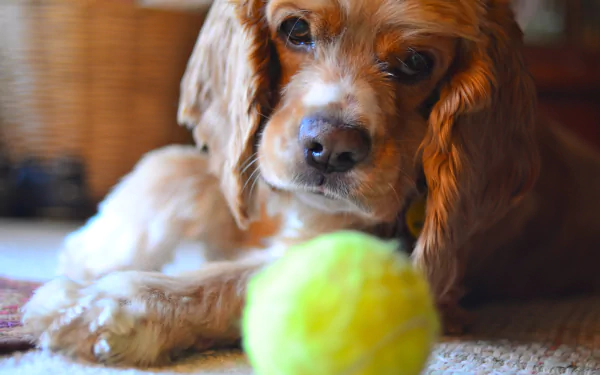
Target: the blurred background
(87, 87)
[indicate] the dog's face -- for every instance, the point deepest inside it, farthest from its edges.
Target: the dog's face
(356, 82)
(344, 100)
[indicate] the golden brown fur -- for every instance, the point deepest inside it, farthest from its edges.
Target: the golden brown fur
(511, 204)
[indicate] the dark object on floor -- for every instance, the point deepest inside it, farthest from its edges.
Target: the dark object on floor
(5, 190)
(67, 192)
(53, 190)
(29, 183)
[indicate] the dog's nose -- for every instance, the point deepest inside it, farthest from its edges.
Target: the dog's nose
(331, 146)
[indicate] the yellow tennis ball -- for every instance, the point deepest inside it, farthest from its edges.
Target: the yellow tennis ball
(344, 303)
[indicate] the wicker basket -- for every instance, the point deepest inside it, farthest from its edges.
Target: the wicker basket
(94, 79)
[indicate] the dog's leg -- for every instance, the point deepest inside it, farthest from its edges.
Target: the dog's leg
(169, 196)
(448, 291)
(141, 318)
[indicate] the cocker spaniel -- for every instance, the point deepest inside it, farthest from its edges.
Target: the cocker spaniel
(318, 115)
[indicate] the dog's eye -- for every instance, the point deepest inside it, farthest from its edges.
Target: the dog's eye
(415, 67)
(296, 31)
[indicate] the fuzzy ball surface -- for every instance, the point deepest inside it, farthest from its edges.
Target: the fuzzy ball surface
(344, 303)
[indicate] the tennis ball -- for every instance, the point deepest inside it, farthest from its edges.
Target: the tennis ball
(344, 303)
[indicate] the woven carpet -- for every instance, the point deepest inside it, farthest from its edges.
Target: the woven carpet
(541, 337)
(13, 294)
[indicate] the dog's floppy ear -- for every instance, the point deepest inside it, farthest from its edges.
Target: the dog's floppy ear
(227, 92)
(480, 154)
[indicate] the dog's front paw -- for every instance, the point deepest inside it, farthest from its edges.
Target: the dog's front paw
(456, 321)
(112, 321)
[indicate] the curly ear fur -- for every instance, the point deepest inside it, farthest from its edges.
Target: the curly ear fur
(479, 155)
(226, 94)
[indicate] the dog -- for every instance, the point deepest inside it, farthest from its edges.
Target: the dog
(315, 116)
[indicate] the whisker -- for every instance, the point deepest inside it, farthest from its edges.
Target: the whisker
(401, 170)
(406, 175)
(250, 164)
(360, 201)
(268, 118)
(375, 192)
(368, 186)
(395, 193)
(250, 178)
(249, 159)
(290, 34)
(256, 179)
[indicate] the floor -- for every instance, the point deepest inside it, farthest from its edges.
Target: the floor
(28, 249)
(541, 337)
